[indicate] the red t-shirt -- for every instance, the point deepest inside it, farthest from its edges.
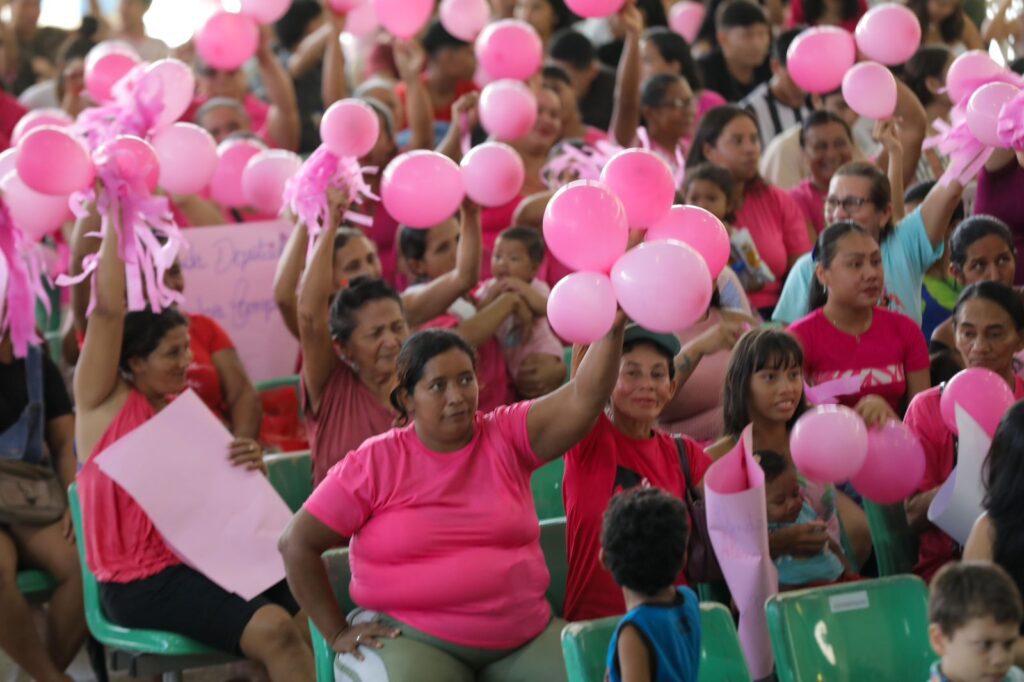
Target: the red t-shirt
(923, 418)
(883, 356)
(11, 112)
(207, 338)
(121, 543)
(602, 464)
(444, 113)
(349, 414)
(779, 231)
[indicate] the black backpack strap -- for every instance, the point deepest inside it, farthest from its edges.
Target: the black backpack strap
(684, 464)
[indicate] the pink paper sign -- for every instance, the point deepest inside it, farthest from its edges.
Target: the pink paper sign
(738, 525)
(224, 521)
(229, 276)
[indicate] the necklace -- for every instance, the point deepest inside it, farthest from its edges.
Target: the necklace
(855, 334)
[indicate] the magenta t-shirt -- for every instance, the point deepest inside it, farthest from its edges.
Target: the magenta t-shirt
(779, 231)
(811, 201)
(883, 356)
(349, 414)
(999, 195)
(924, 419)
(448, 543)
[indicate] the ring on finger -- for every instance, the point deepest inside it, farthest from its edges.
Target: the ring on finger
(359, 639)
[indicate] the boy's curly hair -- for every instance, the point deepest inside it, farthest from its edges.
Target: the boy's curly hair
(644, 536)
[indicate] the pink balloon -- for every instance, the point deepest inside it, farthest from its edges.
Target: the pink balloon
(39, 117)
(188, 158)
(982, 393)
(265, 11)
(894, 465)
(493, 174)
(643, 182)
(698, 228)
(819, 58)
(663, 286)
(133, 158)
(829, 443)
(889, 33)
(226, 183)
(421, 189)
(106, 64)
(361, 20)
(983, 111)
(35, 214)
(870, 90)
(595, 9)
(510, 48)
(264, 178)
(346, 6)
(685, 18)
(8, 161)
(585, 226)
(581, 307)
(53, 162)
(350, 128)
(227, 40)
(508, 109)
(464, 19)
(970, 71)
(176, 84)
(403, 18)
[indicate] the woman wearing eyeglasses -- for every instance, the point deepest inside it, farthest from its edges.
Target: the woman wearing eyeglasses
(860, 192)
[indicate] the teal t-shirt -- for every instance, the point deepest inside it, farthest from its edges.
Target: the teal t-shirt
(906, 256)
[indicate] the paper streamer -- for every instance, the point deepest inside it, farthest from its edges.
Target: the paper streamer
(18, 291)
(222, 520)
(738, 525)
(967, 155)
(1010, 127)
(957, 504)
(305, 193)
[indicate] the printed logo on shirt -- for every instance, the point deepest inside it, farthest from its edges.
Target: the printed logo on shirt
(626, 479)
(870, 376)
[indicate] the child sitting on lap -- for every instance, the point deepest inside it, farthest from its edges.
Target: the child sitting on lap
(787, 507)
(974, 616)
(643, 545)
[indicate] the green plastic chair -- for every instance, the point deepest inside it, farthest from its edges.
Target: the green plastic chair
(291, 474)
(546, 484)
(895, 543)
(552, 542)
(867, 630)
(289, 380)
(585, 647)
(35, 586)
(137, 652)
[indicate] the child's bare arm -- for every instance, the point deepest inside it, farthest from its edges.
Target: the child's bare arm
(634, 659)
(838, 551)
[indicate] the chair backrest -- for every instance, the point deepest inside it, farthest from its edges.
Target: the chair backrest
(556, 556)
(546, 484)
(291, 474)
(895, 543)
(585, 647)
(94, 617)
(866, 630)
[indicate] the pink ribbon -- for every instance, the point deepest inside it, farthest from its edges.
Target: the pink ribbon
(967, 155)
(1010, 127)
(18, 315)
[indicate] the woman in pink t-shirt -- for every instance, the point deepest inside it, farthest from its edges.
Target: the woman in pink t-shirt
(728, 137)
(827, 144)
(847, 335)
(988, 327)
(445, 547)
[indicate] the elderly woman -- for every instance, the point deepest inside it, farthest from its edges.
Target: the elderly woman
(445, 552)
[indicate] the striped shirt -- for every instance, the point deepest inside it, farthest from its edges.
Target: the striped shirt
(773, 117)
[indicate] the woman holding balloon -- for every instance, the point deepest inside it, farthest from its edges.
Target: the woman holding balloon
(666, 52)
(847, 336)
(764, 387)
(988, 324)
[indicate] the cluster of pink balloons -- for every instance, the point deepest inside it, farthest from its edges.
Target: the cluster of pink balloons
(664, 284)
(105, 65)
(685, 18)
(464, 19)
(831, 444)
(509, 48)
(227, 40)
